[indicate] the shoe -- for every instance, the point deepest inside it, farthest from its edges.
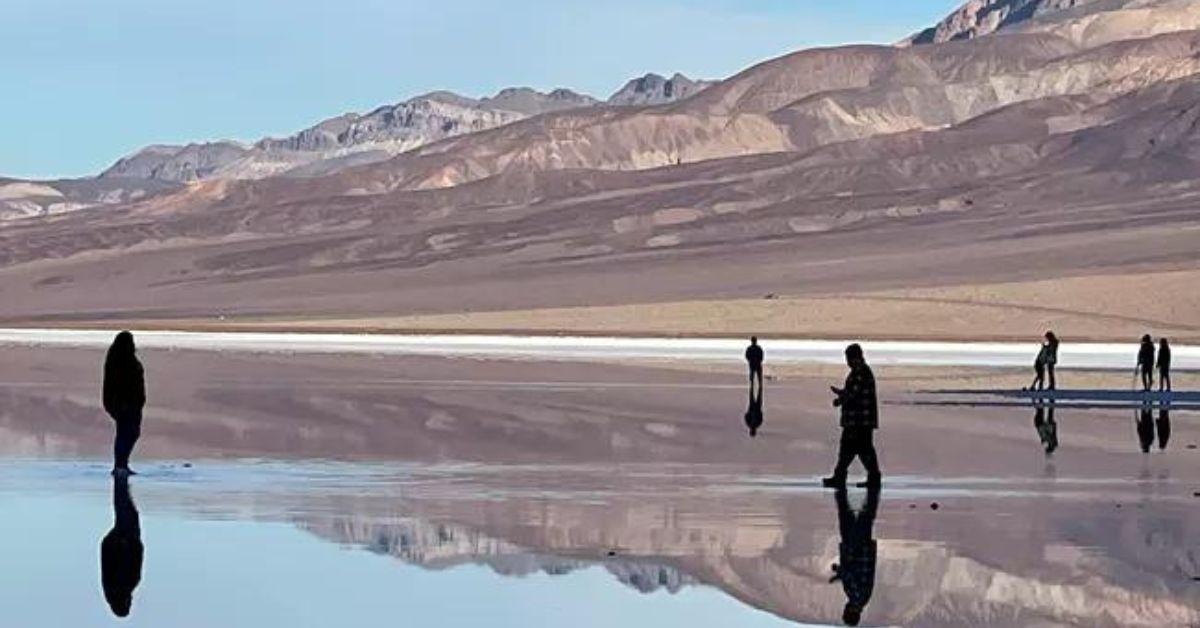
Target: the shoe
(833, 482)
(870, 483)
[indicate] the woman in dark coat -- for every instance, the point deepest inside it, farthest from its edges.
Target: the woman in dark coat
(124, 397)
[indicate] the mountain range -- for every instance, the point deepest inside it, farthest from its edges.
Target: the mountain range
(1009, 126)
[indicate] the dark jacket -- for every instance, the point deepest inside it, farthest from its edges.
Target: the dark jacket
(1146, 356)
(124, 387)
(754, 355)
(1164, 358)
(859, 407)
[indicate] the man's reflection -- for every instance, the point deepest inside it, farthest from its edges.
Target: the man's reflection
(121, 551)
(1047, 428)
(754, 412)
(856, 553)
(1145, 427)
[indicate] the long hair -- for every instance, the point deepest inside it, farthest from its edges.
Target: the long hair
(121, 352)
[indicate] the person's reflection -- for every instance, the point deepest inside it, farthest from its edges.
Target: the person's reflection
(856, 553)
(121, 551)
(1164, 425)
(1047, 428)
(754, 412)
(1145, 427)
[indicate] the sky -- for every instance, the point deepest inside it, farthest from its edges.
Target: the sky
(86, 82)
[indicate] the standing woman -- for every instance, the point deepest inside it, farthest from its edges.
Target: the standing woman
(1051, 349)
(1164, 365)
(124, 397)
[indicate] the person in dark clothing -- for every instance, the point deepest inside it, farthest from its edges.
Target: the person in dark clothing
(1047, 428)
(859, 420)
(1051, 357)
(1146, 362)
(754, 359)
(1145, 428)
(121, 551)
(754, 413)
(857, 554)
(124, 397)
(1164, 425)
(1164, 365)
(1047, 359)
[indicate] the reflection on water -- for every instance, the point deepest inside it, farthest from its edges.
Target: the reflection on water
(121, 551)
(659, 547)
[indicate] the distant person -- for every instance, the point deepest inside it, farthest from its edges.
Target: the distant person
(1164, 425)
(1146, 362)
(754, 359)
(124, 397)
(754, 413)
(1145, 428)
(1051, 357)
(857, 554)
(121, 551)
(1047, 428)
(859, 420)
(1045, 362)
(1164, 365)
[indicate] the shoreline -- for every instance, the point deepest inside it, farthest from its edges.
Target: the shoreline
(1074, 356)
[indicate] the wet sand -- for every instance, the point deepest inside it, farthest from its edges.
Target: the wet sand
(635, 474)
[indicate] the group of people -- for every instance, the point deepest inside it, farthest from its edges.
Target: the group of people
(1047, 359)
(1147, 364)
(124, 396)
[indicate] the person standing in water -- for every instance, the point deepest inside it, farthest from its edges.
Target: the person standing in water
(1146, 362)
(1051, 358)
(1164, 365)
(124, 397)
(1045, 362)
(859, 420)
(754, 359)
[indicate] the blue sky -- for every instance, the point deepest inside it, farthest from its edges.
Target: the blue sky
(86, 82)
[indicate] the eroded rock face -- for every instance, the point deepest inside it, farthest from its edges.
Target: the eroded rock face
(654, 89)
(977, 18)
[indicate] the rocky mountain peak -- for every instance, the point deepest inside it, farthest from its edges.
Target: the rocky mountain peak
(655, 89)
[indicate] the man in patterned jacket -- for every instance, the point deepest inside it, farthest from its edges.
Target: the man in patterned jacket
(860, 419)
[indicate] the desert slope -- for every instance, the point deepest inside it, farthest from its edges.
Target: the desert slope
(839, 173)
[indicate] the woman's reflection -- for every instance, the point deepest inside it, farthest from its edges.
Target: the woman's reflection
(121, 551)
(856, 553)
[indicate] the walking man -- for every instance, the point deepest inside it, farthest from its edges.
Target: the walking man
(859, 420)
(754, 358)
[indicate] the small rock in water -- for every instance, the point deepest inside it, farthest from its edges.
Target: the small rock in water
(770, 296)
(1191, 446)
(1196, 494)
(187, 465)
(612, 552)
(934, 506)
(911, 506)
